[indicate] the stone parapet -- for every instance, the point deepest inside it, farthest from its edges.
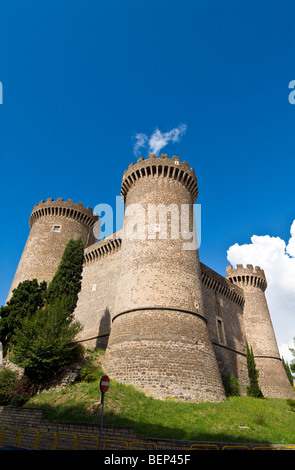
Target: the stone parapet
(249, 276)
(67, 208)
(163, 167)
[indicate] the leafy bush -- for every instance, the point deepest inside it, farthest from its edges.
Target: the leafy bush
(231, 385)
(7, 382)
(45, 341)
(88, 372)
(291, 403)
(25, 300)
(21, 392)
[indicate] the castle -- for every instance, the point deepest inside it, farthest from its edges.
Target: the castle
(170, 325)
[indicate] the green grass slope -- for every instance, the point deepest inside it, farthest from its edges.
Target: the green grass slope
(238, 419)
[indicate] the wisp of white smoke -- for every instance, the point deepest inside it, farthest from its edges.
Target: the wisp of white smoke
(158, 140)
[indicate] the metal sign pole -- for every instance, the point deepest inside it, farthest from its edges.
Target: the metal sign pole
(104, 386)
(101, 420)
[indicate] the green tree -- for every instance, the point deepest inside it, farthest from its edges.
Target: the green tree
(8, 379)
(288, 371)
(253, 374)
(68, 277)
(292, 363)
(25, 300)
(45, 340)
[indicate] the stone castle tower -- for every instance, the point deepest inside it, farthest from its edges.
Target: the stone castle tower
(170, 325)
(159, 334)
(52, 224)
(258, 328)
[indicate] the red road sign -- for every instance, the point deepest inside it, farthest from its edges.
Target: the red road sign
(104, 383)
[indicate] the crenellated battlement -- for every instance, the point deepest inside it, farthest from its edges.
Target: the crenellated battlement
(102, 248)
(247, 276)
(217, 283)
(63, 208)
(160, 167)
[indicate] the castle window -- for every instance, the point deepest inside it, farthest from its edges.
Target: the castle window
(220, 330)
(56, 228)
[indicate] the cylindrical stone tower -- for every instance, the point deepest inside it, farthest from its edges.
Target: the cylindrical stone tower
(159, 340)
(259, 330)
(53, 224)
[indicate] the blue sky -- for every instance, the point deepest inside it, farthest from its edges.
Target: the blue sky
(81, 78)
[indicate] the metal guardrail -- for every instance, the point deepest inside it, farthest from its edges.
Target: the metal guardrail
(18, 434)
(22, 431)
(237, 447)
(203, 446)
(114, 441)
(84, 436)
(65, 434)
(11, 428)
(154, 446)
(41, 433)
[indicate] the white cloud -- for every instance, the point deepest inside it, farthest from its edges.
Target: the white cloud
(141, 141)
(278, 261)
(158, 140)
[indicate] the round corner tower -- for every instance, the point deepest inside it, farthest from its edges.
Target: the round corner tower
(52, 224)
(159, 340)
(259, 331)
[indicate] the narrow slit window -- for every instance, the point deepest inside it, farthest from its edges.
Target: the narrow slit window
(220, 330)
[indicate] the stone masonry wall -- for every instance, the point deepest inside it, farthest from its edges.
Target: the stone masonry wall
(223, 309)
(96, 302)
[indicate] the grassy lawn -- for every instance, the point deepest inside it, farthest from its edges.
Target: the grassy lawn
(238, 419)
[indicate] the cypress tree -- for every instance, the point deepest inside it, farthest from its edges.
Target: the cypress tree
(288, 371)
(253, 374)
(68, 277)
(292, 363)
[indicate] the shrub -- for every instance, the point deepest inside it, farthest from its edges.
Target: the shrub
(7, 381)
(21, 392)
(25, 300)
(291, 403)
(88, 372)
(17, 400)
(231, 385)
(45, 341)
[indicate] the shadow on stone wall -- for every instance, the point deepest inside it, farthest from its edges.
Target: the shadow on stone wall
(104, 330)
